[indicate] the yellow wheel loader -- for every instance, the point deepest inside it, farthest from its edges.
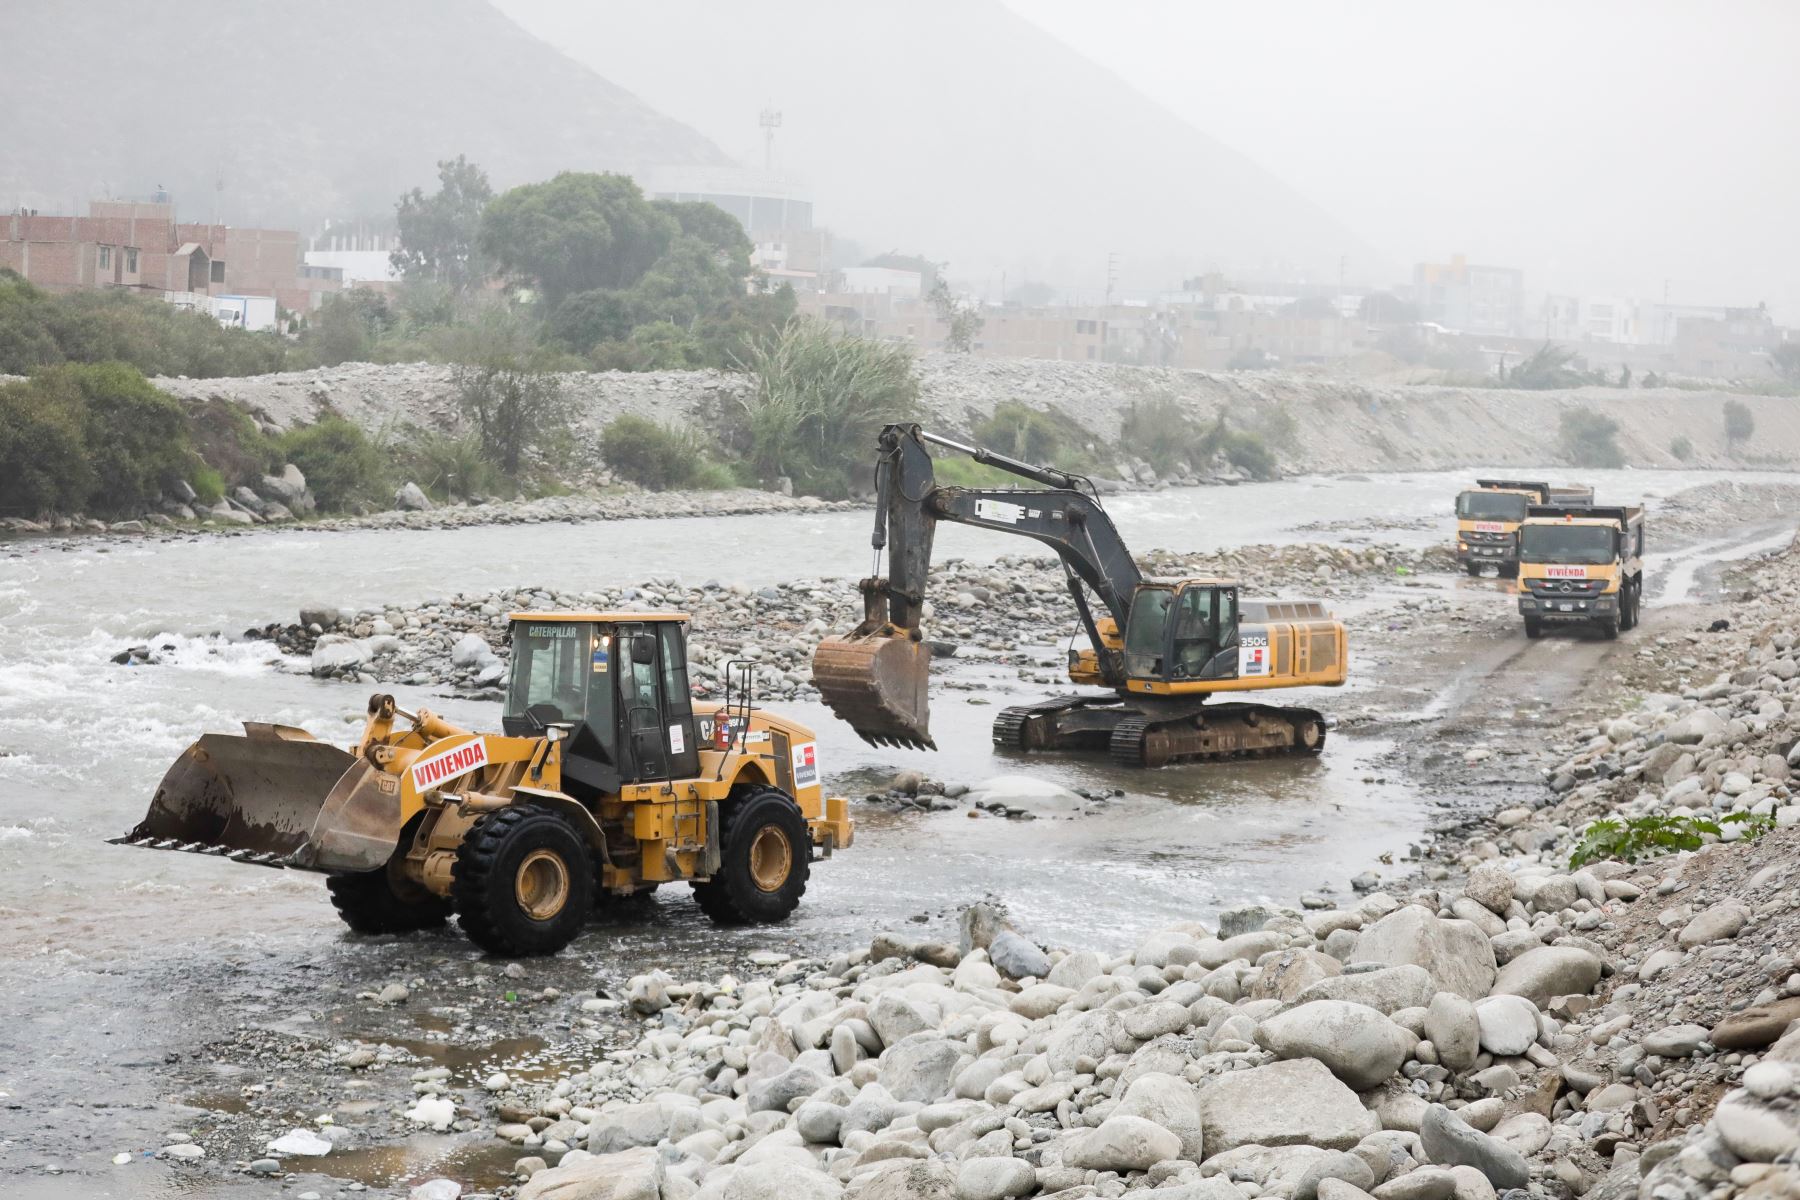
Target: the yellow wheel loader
(607, 780)
(1163, 648)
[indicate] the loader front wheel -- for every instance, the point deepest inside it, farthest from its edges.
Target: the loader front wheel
(764, 861)
(375, 902)
(523, 882)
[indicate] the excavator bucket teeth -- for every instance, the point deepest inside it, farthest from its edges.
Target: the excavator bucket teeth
(254, 798)
(877, 684)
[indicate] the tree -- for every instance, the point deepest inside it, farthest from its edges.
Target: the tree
(505, 391)
(576, 232)
(347, 327)
(1550, 366)
(1786, 360)
(1314, 307)
(964, 322)
(1739, 423)
(1031, 294)
(713, 228)
(439, 234)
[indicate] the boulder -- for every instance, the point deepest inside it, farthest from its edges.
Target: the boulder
(471, 650)
(1171, 1102)
(1454, 1030)
(1387, 990)
(1298, 1102)
(1701, 725)
(1016, 958)
(1509, 1024)
(628, 1127)
(777, 1179)
(1676, 1041)
(1715, 924)
(1359, 1045)
(1292, 972)
(1491, 886)
(920, 1070)
(1455, 953)
(994, 1178)
(333, 653)
(1755, 1131)
(913, 1179)
(1755, 1027)
(1122, 1143)
(774, 1093)
(1450, 1141)
(1549, 971)
(411, 498)
(630, 1175)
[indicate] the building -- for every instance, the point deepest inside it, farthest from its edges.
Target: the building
(1470, 299)
(888, 281)
(141, 246)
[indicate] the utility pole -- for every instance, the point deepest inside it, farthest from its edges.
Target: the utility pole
(1112, 274)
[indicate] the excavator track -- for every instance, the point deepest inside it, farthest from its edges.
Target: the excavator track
(1141, 739)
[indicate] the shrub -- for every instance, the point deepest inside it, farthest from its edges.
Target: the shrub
(1550, 366)
(342, 466)
(136, 437)
(1681, 447)
(1590, 439)
(1161, 432)
(820, 397)
(452, 467)
(1643, 837)
(43, 467)
(208, 485)
(231, 442)
(659, 457)
(1024, 433)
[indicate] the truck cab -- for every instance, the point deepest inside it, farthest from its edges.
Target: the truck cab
(1581, 566)
(1488, 517)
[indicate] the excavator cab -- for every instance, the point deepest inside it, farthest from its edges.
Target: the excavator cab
(614, 686)
(1182, 630)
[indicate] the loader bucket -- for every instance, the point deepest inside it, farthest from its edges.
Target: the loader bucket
(877, 684)
(251, 798)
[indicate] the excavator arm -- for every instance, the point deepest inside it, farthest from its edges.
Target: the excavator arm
(875, 679)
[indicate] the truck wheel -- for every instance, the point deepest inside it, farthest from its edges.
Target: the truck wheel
(522, 883)
(1609, 628)
(764, 863)
(373, 902)
(1628, 607)
(1474, 569)
(1534, 628)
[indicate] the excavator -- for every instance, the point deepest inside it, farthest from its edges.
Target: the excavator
(1164, 649)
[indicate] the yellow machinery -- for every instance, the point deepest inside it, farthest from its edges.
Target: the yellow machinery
(1184, 641)
(1488, 517)
(1581, 566)
(607, 780)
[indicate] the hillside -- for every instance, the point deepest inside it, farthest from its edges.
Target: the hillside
(959, 129)
(330, 108)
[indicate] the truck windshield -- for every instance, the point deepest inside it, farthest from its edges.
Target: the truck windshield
(551, 662)
(1144, 632)
(1567, 543)
(1490, 506)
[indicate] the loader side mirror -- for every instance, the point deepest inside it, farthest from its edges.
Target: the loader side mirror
(643, 650)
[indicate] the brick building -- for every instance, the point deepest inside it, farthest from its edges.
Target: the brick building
(140, 245)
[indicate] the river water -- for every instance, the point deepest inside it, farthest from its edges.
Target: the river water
(83, 742)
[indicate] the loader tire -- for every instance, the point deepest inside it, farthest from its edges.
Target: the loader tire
(371, 902)
(522, 883)
(764, 862)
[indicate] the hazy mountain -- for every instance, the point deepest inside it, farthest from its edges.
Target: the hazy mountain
(958, 129)
(330, 107)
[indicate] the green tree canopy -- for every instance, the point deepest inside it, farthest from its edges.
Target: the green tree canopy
(576, 232)
(439, 234)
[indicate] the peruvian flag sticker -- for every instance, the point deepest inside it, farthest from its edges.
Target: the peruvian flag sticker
(806, 764)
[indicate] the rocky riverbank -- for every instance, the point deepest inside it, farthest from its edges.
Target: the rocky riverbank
(1517, 1022)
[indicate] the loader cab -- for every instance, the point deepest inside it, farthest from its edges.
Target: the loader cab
(614, 687)
(1182, 630)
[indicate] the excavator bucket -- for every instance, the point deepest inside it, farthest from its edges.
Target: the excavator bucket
(876, 683)
(254, 798)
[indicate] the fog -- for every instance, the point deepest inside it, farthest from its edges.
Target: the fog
(1615, 146)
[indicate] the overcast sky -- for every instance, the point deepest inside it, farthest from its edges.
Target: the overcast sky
(1600, 145)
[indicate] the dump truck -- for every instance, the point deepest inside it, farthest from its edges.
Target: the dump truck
(1581, 565)
(1164, 650)
(1488, 517)
(607, 780)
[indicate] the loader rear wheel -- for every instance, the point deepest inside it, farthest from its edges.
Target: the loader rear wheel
(764, 861)
(523, 882)
(374, 902)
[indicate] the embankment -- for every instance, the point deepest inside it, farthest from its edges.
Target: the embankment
(1313, 424)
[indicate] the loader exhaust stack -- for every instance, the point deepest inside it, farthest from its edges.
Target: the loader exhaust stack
(875, 679)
